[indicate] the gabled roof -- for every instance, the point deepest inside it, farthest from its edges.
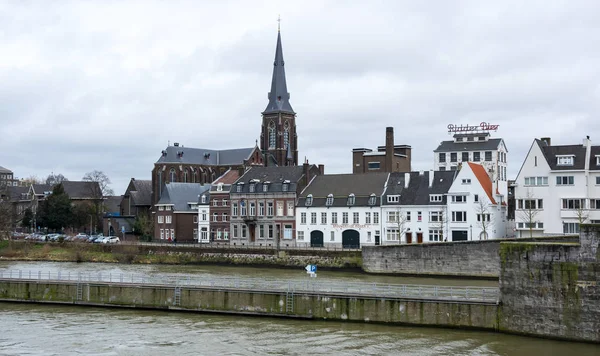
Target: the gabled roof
(279, 98)
(228, 177)
(5, 170)
(39, 189)
(17, 193)
(274, 175)
(418, 190)
(342, 185)
(142, 193)
(208, 157)
(451, 146)
(82, 189)
(181, 194)
(484, 180)
(112, 203)
(550, 153)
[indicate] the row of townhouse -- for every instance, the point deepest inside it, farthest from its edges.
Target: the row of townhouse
(557, 188)
(299, 206)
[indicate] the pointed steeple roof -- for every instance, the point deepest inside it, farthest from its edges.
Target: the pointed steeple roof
(279, 98)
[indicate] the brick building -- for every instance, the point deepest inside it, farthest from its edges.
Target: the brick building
(219, 209)
(177, 212)
(389, 158)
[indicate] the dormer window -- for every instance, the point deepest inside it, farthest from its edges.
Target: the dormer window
(252, 187)
(309, 200)
(204, 199)
(372, 199)
(393, 199)
(239, 187)
(286, 186)
(597, 160)
(220, 187)
(266, 187)
(566, 160)
(329, 201)
(351, 199)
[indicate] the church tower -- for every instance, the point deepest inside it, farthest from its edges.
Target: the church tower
(278, 139)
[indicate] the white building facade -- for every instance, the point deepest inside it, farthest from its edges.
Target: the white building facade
(557, 188)
(201, 234)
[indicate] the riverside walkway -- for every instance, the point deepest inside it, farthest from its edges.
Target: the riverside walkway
(309, 286)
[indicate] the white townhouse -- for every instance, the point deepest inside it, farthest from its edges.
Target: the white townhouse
(413, 207)
(477, 147)
(475, 208)
(340, 210)
(557, 188)
(201, 233)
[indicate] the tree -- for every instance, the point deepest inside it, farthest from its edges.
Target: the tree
(54, 179)
(528, 211)
(143, 226)
(26, 182)
(27, 220)
(399, 219)
(103, 183)
(442, 223)
(5, 219)
(484, 214)
(57, 212)
(581, 212)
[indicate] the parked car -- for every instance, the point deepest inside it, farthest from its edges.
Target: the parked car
(99, 239)
(111, 240)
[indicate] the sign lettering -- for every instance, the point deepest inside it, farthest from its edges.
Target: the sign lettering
(349, 226)
(483, 127)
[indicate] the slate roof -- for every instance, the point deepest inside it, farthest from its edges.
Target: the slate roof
(81, 189)
(451, 146)
(112, 204)
(16, 193)
(418, 190)
(5, 170)
(204, 156)
(142, 195)
(550, 153)
(39, 189)
(180, 194)
(279, 98)
(274, 175)
(342, 185)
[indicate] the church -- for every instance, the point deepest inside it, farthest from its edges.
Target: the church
(278, 143)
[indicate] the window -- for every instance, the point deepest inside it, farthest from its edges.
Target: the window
(459, 216)
(261, 231)
(419, 216)
(195, 219)
(476, 198)
(435, 235)
(204, 233)
(300, 235)
(564, 160)
(367, 218)
(279, 208)
(329, 201)
(309, 200)
(435, 216)
(351, 199)
(466, 181)
(435, 198)
(465, 156)
(224, 218)
(290, 208)
(238, 188)
(243, 208)
(323, 218)
(375, 218)
(215, 217)
(372, 199)
(368, 236)
(530, 204)
(252, 209)
(285, 187)
(597, 180)
(270, 208)
(565, 180)
(204, 215)
(287, 232)
(334, 218)
(313, 218)
(271, 231)
(161, 219)
(392, 216)
(453, 157)
(302, 218)
(488, 156)
(355, 218)
(224, 202)
(265, 187)
(573, 204)
(332, 236)
(195, 234)
(261, 209)
(595, 204)
(173, 234)
(571, 228)
(220, 187)
(392, 234)
(476, 156)
(162, 234)
(234, 210)
(373, 165)
(161, 208)
(225, 234)
(408, 216)
(483, 217)
(597, 160)
(286, 135)
(393, 199)
(442, 157)
(168, 219)
(459, 198)
(244, 228)
(172, 175)
(215, 201)
(344, 218)
(252, 187)
(235, 231)
(531, 181)
(272, 135)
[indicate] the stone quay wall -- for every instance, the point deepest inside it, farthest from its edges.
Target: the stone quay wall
(475, 259)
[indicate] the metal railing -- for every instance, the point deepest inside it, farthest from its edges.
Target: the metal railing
(307, 286)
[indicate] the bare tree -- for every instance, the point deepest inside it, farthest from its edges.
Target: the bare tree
(441, 223)
(102, 180)
(26, 182)
(528, 211)
(581, 212)
(54, 179)
(484, 216)
(399, 219)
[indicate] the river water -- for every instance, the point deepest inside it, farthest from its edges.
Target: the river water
(30, 329)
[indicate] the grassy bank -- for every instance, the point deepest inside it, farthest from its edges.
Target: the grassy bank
(134, 254)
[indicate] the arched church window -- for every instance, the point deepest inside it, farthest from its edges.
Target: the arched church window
(286, 135)
(272, 135)
(172, 176)
(160, 182)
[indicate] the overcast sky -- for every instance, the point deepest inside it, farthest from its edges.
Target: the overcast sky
(105, 85)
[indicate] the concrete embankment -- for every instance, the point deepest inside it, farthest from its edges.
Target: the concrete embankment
(320, 306)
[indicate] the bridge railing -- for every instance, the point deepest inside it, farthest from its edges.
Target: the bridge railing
(312, 286)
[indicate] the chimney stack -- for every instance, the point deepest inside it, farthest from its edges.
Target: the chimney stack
(547, 140)
(431, 173)
(306, 168)
(321, 169)
(406, 180)
(389, 149)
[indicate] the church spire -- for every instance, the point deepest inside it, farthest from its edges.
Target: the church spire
(279, 98)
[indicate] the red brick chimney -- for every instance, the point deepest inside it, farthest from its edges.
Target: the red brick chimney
(389, 149)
